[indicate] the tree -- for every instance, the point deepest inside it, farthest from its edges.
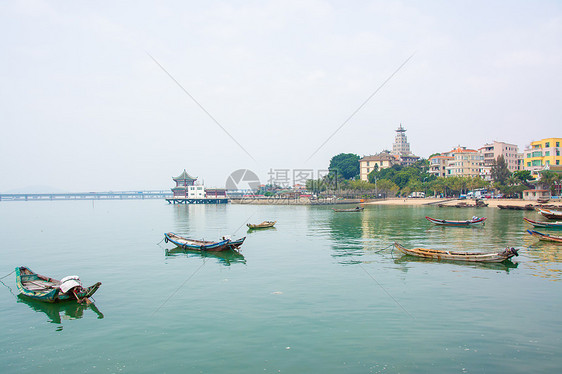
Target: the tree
(499, 171)
(523, 177)
(387, 187)
(346, 165)
(550, 179)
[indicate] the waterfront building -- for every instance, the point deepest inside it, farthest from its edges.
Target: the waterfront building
(379, 161)
(542, 153)
(536, 194)
(490, 153)
(186, 188)
(465, 163)
(438, 165)
(215, 193)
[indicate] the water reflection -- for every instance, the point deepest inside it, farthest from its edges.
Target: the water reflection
(545, 259)
(506, 266)
(225, 258)
(346, 233)
(70, 310)
(253, 231)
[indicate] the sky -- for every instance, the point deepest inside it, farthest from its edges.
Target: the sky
(113, 96)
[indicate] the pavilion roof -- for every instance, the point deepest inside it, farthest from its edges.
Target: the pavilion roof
(183, 176)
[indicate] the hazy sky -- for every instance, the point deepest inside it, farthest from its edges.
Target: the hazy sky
(85, 108)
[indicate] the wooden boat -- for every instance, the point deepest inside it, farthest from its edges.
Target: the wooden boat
(196, 245)
(235, 244)
(552, 225)
(543, 200)
(470, 222)
(42, 288)
(356, 209)
(550, 214)
(459, 256)
(545, 237)
(263, 225)
(477, 204)
(517, 207)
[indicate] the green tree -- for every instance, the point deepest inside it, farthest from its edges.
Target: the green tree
(523, 177)
(346, 165)
(550, 179)
(438, 186)
(361, 185)
(499, 171)
(387, 187)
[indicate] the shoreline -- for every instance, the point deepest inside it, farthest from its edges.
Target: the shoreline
(492, 203)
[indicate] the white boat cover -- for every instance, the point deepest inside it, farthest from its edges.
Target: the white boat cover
(68, 283)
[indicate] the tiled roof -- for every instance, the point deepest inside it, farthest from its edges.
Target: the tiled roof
(183, 176)
(379, 157)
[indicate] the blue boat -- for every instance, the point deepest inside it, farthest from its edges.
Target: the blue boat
(197, 245)
(42, 288)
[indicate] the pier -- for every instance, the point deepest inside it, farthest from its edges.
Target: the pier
(187, 200)
(111, 195)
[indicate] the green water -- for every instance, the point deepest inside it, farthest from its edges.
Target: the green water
(316, 294)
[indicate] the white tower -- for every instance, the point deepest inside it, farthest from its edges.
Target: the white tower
(401, 145)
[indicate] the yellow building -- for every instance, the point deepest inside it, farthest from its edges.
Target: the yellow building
(542, 153)
(377, 162)
(465, 163)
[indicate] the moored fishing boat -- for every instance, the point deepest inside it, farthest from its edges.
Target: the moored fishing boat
(471, 222)
(197, 245)
(517, 207)
(550, 214)
(42, 288)
(356, 209)
(545, 237)
(552, 225)
(459, 256)
(263, 225)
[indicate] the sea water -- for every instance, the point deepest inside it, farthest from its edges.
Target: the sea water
(322, 292)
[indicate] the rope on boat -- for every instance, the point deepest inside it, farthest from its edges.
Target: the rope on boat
(8, 287)
(13, 271)
(380, 250)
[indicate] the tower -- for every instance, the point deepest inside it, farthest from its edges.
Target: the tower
(401, 145)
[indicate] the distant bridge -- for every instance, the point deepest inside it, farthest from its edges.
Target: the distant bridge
(111, 195)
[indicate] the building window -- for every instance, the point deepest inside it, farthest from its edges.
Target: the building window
(547, 153)
(558, 144)
(547, 145)
(557, 162)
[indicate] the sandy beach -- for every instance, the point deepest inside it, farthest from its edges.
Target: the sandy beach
(492, 203)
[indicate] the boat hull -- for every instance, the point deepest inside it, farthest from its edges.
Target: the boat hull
(263, 225)
(458, 256)
(47, 294)
(545, 237)
(235, 244)
(550, 225)
(196, 245)
(443, 222)
(550, 214)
